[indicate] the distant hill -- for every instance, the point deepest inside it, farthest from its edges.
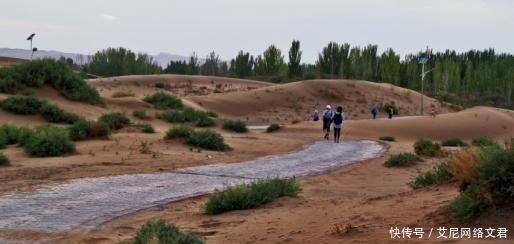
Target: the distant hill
(162, 58)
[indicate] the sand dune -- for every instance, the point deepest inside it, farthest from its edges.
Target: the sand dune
(296, 101)
(467, 124)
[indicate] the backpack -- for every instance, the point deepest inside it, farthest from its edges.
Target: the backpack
(338, 118)
(328, 114)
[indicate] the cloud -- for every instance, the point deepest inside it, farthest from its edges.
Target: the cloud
(109, 17)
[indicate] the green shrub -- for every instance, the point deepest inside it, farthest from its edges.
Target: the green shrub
(4, 160)
(207, 139)
(140, 113)
(387, 138)
(123, 94)
(251, 195)
(212, 114)
(114, 120)
(273, 127)
(178, 131)
(54, 73)
(205, 121)
(172, 116)
(145, 127)
(48, 141)
(468, 205)
(235, 125)
(10, 134)
(22, 104)
(163, 100)
(440, 173)
(402, 159)
(484, 141)
(493, 186)
(160, 232)
(54, 114)
(454, 142)
(83, 129)
(426, 147)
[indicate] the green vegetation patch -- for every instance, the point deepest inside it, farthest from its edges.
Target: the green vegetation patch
(49, 141)
(426, 147)
(401, 160)
(115, 120)
(454, 142)
(440, 173)
(251, 195)
(163, 100)
(235, 125)
(387, 138)
(4, 160)
(160, 232)
(273, 127)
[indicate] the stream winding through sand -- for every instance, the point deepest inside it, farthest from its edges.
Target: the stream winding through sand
(88, 202)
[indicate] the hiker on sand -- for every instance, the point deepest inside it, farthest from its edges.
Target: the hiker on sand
(315, 115)
(374, 111)
(433, 110)
(390, 112)
(338, 119)
(327, 119)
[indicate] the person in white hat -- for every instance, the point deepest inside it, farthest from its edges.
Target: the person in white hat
(327, 120)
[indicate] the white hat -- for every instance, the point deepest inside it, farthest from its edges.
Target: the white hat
(328, 107)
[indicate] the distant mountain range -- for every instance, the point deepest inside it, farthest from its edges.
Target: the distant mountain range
(162, 58)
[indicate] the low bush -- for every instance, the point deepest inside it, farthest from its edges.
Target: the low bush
(83, 129)
(207, 139)
(484, 141)
(140, 113)
(251, 195)
(115, 120)
(22, 104)
(54, 114)
(273, 127)
(454, 142)
(160, 232)
(387, 138)
(145, 127)
(54, 73)
(10, 134)
(426, 147)
(205, 121)
(402, 159)
(212, 114)
(492, 185)
(163, 100)
(235, 125)
(440, 173)
(178, 131)
(49, 141)
(4, 160)
(160, 85)
(201, 118)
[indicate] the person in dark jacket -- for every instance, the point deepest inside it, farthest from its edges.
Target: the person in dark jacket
(338, 119)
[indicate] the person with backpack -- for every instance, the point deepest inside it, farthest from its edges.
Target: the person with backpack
(338, 119)
(327, 120)
(315, 115)
(374, 111)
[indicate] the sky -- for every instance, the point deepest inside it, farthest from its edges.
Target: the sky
(227, 26)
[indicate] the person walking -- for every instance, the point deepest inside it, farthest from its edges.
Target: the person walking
(390, 112)
(327, 120)
(374, 111)
(338, 123)
(315, 115)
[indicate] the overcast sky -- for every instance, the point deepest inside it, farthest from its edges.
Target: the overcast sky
(227, 26)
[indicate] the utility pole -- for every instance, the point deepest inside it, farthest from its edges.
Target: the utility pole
(423, 61)
(30, 38)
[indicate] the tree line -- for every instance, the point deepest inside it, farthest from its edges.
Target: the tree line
(469, 78)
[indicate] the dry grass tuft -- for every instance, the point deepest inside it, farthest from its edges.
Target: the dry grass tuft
(463, 166)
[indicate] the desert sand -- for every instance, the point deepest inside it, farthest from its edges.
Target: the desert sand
(356, 203)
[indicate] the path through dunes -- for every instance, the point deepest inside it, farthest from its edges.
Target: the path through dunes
(90, 201)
